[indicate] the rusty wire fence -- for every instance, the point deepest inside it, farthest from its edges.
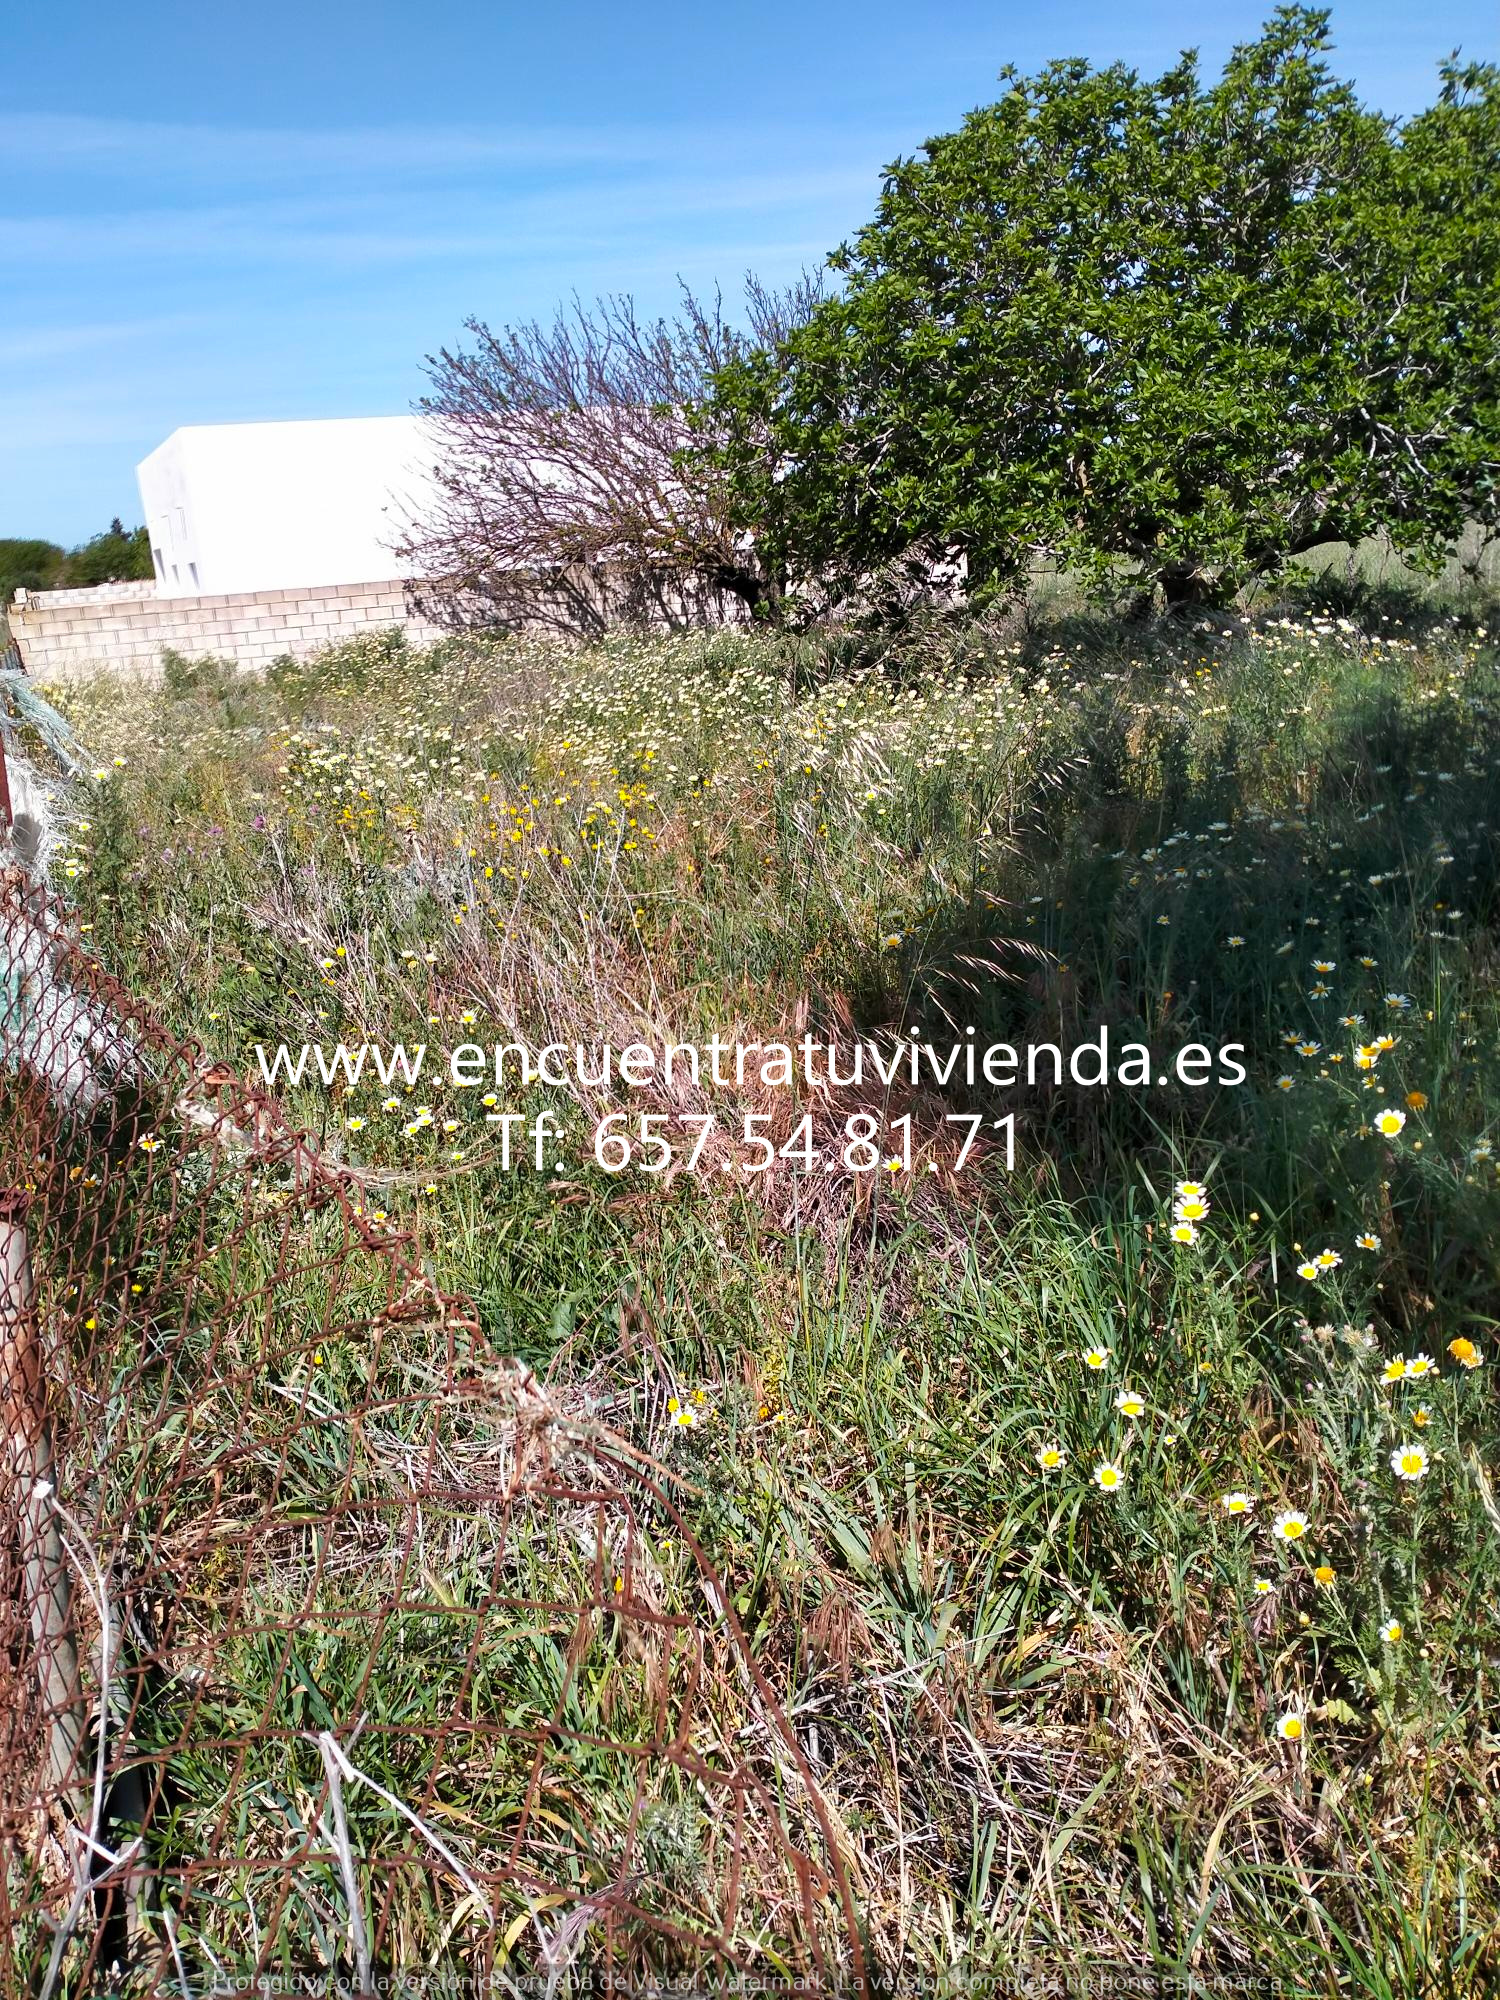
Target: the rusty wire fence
(332, 1649)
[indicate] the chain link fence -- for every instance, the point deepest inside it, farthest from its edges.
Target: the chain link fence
(335, 1649)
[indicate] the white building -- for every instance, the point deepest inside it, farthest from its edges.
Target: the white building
(280, 506)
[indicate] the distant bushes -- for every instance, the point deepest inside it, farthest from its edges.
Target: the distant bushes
(119, 555)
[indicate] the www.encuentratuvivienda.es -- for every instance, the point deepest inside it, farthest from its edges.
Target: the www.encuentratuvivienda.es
(909, 1061)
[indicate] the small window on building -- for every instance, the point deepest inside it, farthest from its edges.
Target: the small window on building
(193, 573)
(175, 577)
(161, 570)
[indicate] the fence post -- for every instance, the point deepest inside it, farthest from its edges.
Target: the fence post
(46, 1582)
(7, 812)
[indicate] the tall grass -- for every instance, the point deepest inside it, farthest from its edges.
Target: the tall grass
(1054, 1721)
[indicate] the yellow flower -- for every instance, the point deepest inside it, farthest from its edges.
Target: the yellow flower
(1328, 1260)
(1390, 1631)
(1097, 1357)
(1409, 1461)
(1263, 1586)
(1129, 1404)
(1190, 1208)
(1236, 1503)
(1184, 1232)
(1289, 1728)
(1369, 1241)
(1290, 1527)
(1323, 1574)
(1416, 1100)
(1394, 1370)
(1420, 1365)
(1108, 1476)
(1388, 1123)
(1464, 1352)
(1050, 1457)
(1308, 1270)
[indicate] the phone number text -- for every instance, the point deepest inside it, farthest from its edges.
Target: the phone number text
(649, 1142)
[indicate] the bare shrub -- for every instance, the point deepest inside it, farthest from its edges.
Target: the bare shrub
(573, 492)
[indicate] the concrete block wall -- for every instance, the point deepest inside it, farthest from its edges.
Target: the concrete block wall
(125, 628)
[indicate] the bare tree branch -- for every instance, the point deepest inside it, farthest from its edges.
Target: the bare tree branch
(572, 489)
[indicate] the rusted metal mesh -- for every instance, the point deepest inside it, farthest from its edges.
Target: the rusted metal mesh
(337, 1649)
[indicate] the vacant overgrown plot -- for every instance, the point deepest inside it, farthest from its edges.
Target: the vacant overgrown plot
(1092, 1560)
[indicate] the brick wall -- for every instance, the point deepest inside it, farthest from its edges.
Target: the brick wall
(124, 628)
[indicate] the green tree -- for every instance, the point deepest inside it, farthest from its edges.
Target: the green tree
(1178, 330)
(119, 555)
(27, 564)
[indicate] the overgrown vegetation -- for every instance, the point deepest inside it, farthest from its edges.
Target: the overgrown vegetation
(1229, 1712)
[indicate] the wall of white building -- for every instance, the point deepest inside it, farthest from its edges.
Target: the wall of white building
(280, 506)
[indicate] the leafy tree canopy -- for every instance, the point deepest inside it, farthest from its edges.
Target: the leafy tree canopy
(119, 555)
(27, 564)
(1188, 329)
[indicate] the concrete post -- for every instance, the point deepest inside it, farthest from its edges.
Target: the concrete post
(46, 1581)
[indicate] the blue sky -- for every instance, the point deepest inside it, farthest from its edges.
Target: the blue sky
(221, 213)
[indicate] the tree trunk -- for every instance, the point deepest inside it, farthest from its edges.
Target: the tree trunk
(1185, 585)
